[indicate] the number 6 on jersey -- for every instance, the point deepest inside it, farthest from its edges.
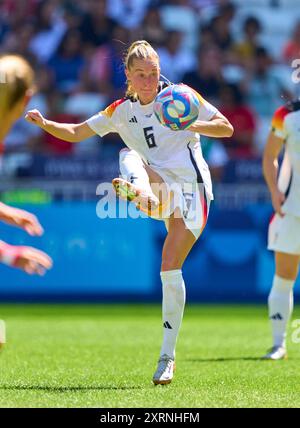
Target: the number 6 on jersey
(149, 137)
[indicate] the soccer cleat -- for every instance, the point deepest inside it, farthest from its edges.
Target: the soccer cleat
(276, 353)
(144, 201)
(165, 371)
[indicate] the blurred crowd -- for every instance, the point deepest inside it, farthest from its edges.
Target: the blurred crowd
(220, 48)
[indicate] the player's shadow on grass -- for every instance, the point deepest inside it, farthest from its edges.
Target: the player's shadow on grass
(50, 388)
(222, 360)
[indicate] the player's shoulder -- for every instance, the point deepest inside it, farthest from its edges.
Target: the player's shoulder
(112, 108)
(288, 108)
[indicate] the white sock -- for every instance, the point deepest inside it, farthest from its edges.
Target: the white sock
(173, 307)
(132, 169)
(280, 308)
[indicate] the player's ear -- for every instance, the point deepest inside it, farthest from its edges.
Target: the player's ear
(28, 95)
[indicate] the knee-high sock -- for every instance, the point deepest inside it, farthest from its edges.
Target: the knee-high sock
(132, 169)
(280, 308)
(172, 308)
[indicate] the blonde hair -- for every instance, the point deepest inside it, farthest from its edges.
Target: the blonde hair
(140, 49)
(16, 77)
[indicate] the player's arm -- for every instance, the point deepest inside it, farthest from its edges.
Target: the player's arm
(270, 169)
(20, 218)
(30, 260)
(71, 132)
(218, 126)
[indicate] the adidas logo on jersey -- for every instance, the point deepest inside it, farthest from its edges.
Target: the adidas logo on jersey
(133, 120)
(277, 317)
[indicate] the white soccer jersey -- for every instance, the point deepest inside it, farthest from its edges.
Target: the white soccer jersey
(178, 151)
(286, 125)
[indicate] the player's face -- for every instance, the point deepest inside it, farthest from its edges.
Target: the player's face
(144, 77)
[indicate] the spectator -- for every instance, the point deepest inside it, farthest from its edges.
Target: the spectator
(205, 8)
(4, 25)
(50, 144)
(19, 43)
(68, 62)
(106, 64)
(207, 37)
(242, 143)
(220, 25)
(40, 100)
(87, 99)
(265, 89)
(84, 103)
(18, 12)
(175, 60)
(73, 15)
(96, 28)
(133, 10)
(152, 29)
(207, 78)
(178, 15)
(246, 48)
(292, 48)
(49, 32)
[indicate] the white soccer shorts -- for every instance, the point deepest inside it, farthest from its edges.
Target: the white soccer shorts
(284, 234)
(189, 197)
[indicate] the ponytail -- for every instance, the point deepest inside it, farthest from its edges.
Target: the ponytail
(140, 49)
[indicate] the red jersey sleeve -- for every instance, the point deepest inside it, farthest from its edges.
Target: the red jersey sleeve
(278, 125)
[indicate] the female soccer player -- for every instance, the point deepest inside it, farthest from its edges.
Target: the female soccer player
(284, 229)
(155, 154)
(16, 81)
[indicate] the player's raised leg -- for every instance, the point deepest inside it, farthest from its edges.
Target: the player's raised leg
(178, 244)
(134, 185)
(281, 302)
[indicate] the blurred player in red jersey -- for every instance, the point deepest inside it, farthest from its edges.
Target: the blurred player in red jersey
(156, 155)
(284, 228)
(16, 81)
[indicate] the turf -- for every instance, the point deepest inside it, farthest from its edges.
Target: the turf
(104, 356)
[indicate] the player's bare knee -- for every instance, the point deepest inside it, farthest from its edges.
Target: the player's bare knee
(287, 273)
(171, 263)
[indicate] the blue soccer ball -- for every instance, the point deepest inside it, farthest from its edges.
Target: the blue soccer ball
(177, 107)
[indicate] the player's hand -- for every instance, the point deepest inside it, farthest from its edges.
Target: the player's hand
(22, 219)
(278, 199)
(32, 261)
(194, 127)
(35, 117)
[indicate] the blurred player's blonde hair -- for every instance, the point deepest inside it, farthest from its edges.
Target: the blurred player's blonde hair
(16, 78)
(140, 49)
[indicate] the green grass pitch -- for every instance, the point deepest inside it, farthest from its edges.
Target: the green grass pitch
(105, 355)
